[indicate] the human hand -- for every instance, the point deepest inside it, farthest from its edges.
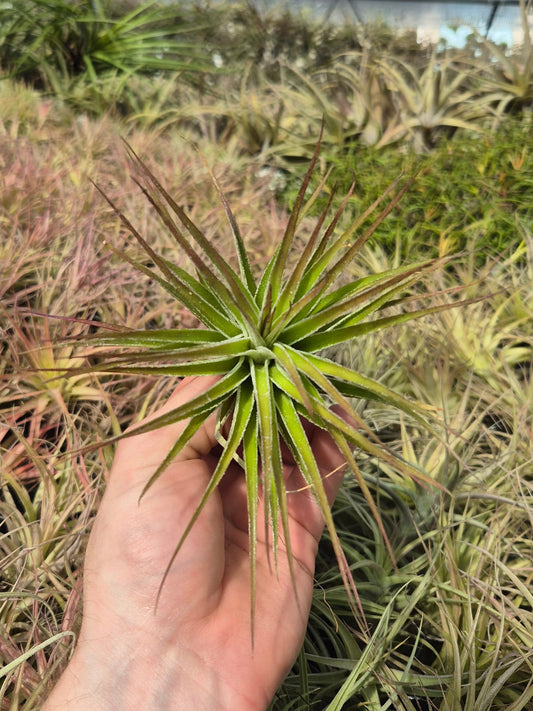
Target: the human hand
(192, 650)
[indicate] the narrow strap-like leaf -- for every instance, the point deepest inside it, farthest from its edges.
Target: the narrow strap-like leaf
(192, 353)
(313, 302)
(367, 387)
(177, 337)
(203, 403)
(382, 291)
(318, 264)
(251, 466)
(329, 420)
(213, 366)
(269, 449)
(216, 393)
(342, 443)
(295, 278)
(239, 290)
(360, 285)
(308, 278)
(265, 317)
(386, 299)
(200, 289)
(244, 263)
(313, 371)
(161, 263)
(343, 446)
(184, 293)
(265, 284)
(281, 493)
(318, 341)
(325, 415)
(287, 363)
(379, 452)
(296, 439)
(239, 422)
(333, 272)
(232, 292)
(286, 242)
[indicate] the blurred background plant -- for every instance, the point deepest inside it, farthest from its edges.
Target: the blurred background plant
(506, 74)
(432, 102)
(82, 50)
(451, 626)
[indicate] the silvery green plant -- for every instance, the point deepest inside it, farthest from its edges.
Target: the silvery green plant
(265, 338)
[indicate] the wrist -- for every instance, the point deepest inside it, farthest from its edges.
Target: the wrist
(168, 682)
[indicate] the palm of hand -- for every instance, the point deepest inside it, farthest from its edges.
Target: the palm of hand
(202, 621)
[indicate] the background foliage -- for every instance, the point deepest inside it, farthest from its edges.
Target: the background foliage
(452, 623)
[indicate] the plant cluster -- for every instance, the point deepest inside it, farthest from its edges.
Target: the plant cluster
(83, 53)
(268, 78)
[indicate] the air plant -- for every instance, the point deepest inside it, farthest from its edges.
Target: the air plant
(265, 338)
(435, 101)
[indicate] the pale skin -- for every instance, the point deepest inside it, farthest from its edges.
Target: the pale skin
(192, 650)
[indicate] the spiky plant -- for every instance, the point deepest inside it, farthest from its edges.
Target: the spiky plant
(263, 339)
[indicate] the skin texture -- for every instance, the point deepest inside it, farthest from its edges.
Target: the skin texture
(192, 650)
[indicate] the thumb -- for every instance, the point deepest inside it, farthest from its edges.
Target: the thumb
(143, 453)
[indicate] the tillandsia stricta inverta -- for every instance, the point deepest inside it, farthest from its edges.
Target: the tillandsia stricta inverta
(265, 339)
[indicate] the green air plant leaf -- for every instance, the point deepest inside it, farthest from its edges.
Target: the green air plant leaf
(263, 337)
